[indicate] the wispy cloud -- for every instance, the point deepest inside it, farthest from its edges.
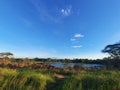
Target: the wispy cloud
(43, 11)
(77, 46)
(26, 22)
(72, 39)
(47, 14)
(66, 11)
(78, 35)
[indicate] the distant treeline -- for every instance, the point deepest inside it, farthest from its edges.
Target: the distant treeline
(107, 62)
(111, 62)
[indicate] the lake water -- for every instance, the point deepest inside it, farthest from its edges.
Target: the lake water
(71, 65)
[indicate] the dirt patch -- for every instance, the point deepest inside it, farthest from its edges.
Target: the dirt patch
(60, 76)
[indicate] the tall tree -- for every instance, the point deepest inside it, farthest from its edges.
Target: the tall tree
(113, 50)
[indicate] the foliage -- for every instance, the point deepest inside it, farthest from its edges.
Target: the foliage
(113, 50)
(92, 81)
(23, 80)
(5, 54)
(28, 79)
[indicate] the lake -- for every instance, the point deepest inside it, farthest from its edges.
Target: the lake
(71, 65)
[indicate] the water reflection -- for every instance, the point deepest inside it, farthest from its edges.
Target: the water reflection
(71, 65)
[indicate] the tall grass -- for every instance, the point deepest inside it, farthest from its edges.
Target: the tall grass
(23, 80)
(26, 79)
(92, 81)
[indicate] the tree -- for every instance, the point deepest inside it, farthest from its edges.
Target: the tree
(5, 54)
(113, 50)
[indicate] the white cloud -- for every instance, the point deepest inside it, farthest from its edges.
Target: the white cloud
(77, 46)
(78, 35)
(72, 39)
(66, 11)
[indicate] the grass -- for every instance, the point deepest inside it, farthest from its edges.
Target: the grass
(92, 81)
(24, 80)
(27, 79)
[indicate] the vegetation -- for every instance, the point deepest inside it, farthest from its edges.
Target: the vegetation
(39, 74)
(5, 54)
(12, 79)
(29, 79)
(113, 50)
(92, 81)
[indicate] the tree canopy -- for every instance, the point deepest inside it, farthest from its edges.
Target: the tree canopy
(5, 54)
(113, 50)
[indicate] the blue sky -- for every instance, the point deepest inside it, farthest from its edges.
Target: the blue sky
(58, 28)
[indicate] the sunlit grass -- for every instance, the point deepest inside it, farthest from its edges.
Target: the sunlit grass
(29, 79)
(92, 81)
(23, 80)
